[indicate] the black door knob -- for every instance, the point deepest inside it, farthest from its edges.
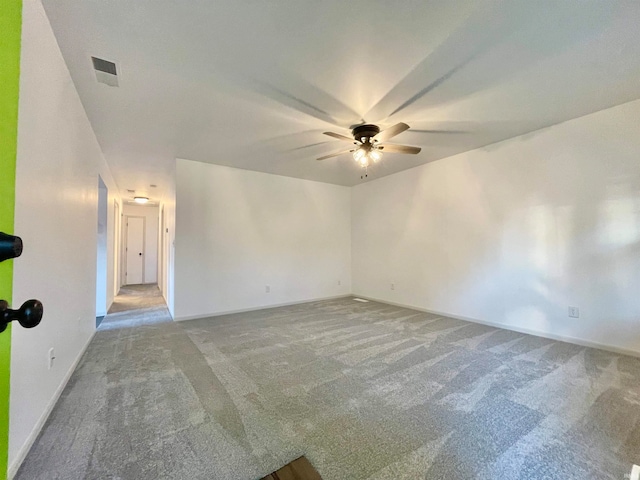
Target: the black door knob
(10, 246)
(28, 315)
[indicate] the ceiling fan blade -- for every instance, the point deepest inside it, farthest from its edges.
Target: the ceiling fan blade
(340, 137)
(335, 154)
(307, 146)
(400, 149)
(391, 132)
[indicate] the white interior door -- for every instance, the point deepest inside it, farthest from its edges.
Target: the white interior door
(134, 273)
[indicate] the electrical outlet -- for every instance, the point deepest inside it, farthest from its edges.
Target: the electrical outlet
(51, 358)
(339, 282)
(574, 312)
(267, 289)
(393, 286)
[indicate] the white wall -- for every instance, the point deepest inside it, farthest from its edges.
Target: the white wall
(151, 215)
(238, 231)
(516, 232)
(58, 164)
(114, 204)
(102, 285)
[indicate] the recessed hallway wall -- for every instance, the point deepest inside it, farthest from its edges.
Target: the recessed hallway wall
(102, 265)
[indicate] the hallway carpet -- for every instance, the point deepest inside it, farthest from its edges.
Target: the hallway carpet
(135, 297)
(363, 390)
(134, 306)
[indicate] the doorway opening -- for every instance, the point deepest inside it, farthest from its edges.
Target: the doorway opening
(101, 258)
(139, 300)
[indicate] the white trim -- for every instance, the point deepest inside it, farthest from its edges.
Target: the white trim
(635, 473)
(24, 450)
(117, 248)
(537, 333)
(167, 304)
(263, 307)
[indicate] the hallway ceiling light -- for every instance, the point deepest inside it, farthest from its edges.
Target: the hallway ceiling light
(141, 199)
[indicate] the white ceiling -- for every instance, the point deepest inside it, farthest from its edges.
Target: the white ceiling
(253, 84)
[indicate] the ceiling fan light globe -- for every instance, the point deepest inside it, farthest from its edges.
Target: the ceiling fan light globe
(375, 155)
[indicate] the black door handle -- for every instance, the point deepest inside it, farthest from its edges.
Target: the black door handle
(28, 315)
(10, 246)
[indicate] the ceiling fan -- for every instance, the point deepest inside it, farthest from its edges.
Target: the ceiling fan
(369, 144)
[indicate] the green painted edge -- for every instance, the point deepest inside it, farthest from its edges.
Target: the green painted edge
(11, 27)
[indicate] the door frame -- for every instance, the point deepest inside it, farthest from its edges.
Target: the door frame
(161, 240)
(11, 27)
(126, 246)
(117, 263)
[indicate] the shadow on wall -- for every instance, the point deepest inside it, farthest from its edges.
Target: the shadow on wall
(569, 243)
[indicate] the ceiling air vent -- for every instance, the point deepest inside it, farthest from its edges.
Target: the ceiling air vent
(105, 71)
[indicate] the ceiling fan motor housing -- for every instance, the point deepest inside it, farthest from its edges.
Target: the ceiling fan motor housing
(366, 131)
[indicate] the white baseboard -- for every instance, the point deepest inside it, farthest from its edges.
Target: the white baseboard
(552, 336)
(262, 307)
(24, 450)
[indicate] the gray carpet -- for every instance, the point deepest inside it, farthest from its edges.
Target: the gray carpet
(135, 297)
(363, 390)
